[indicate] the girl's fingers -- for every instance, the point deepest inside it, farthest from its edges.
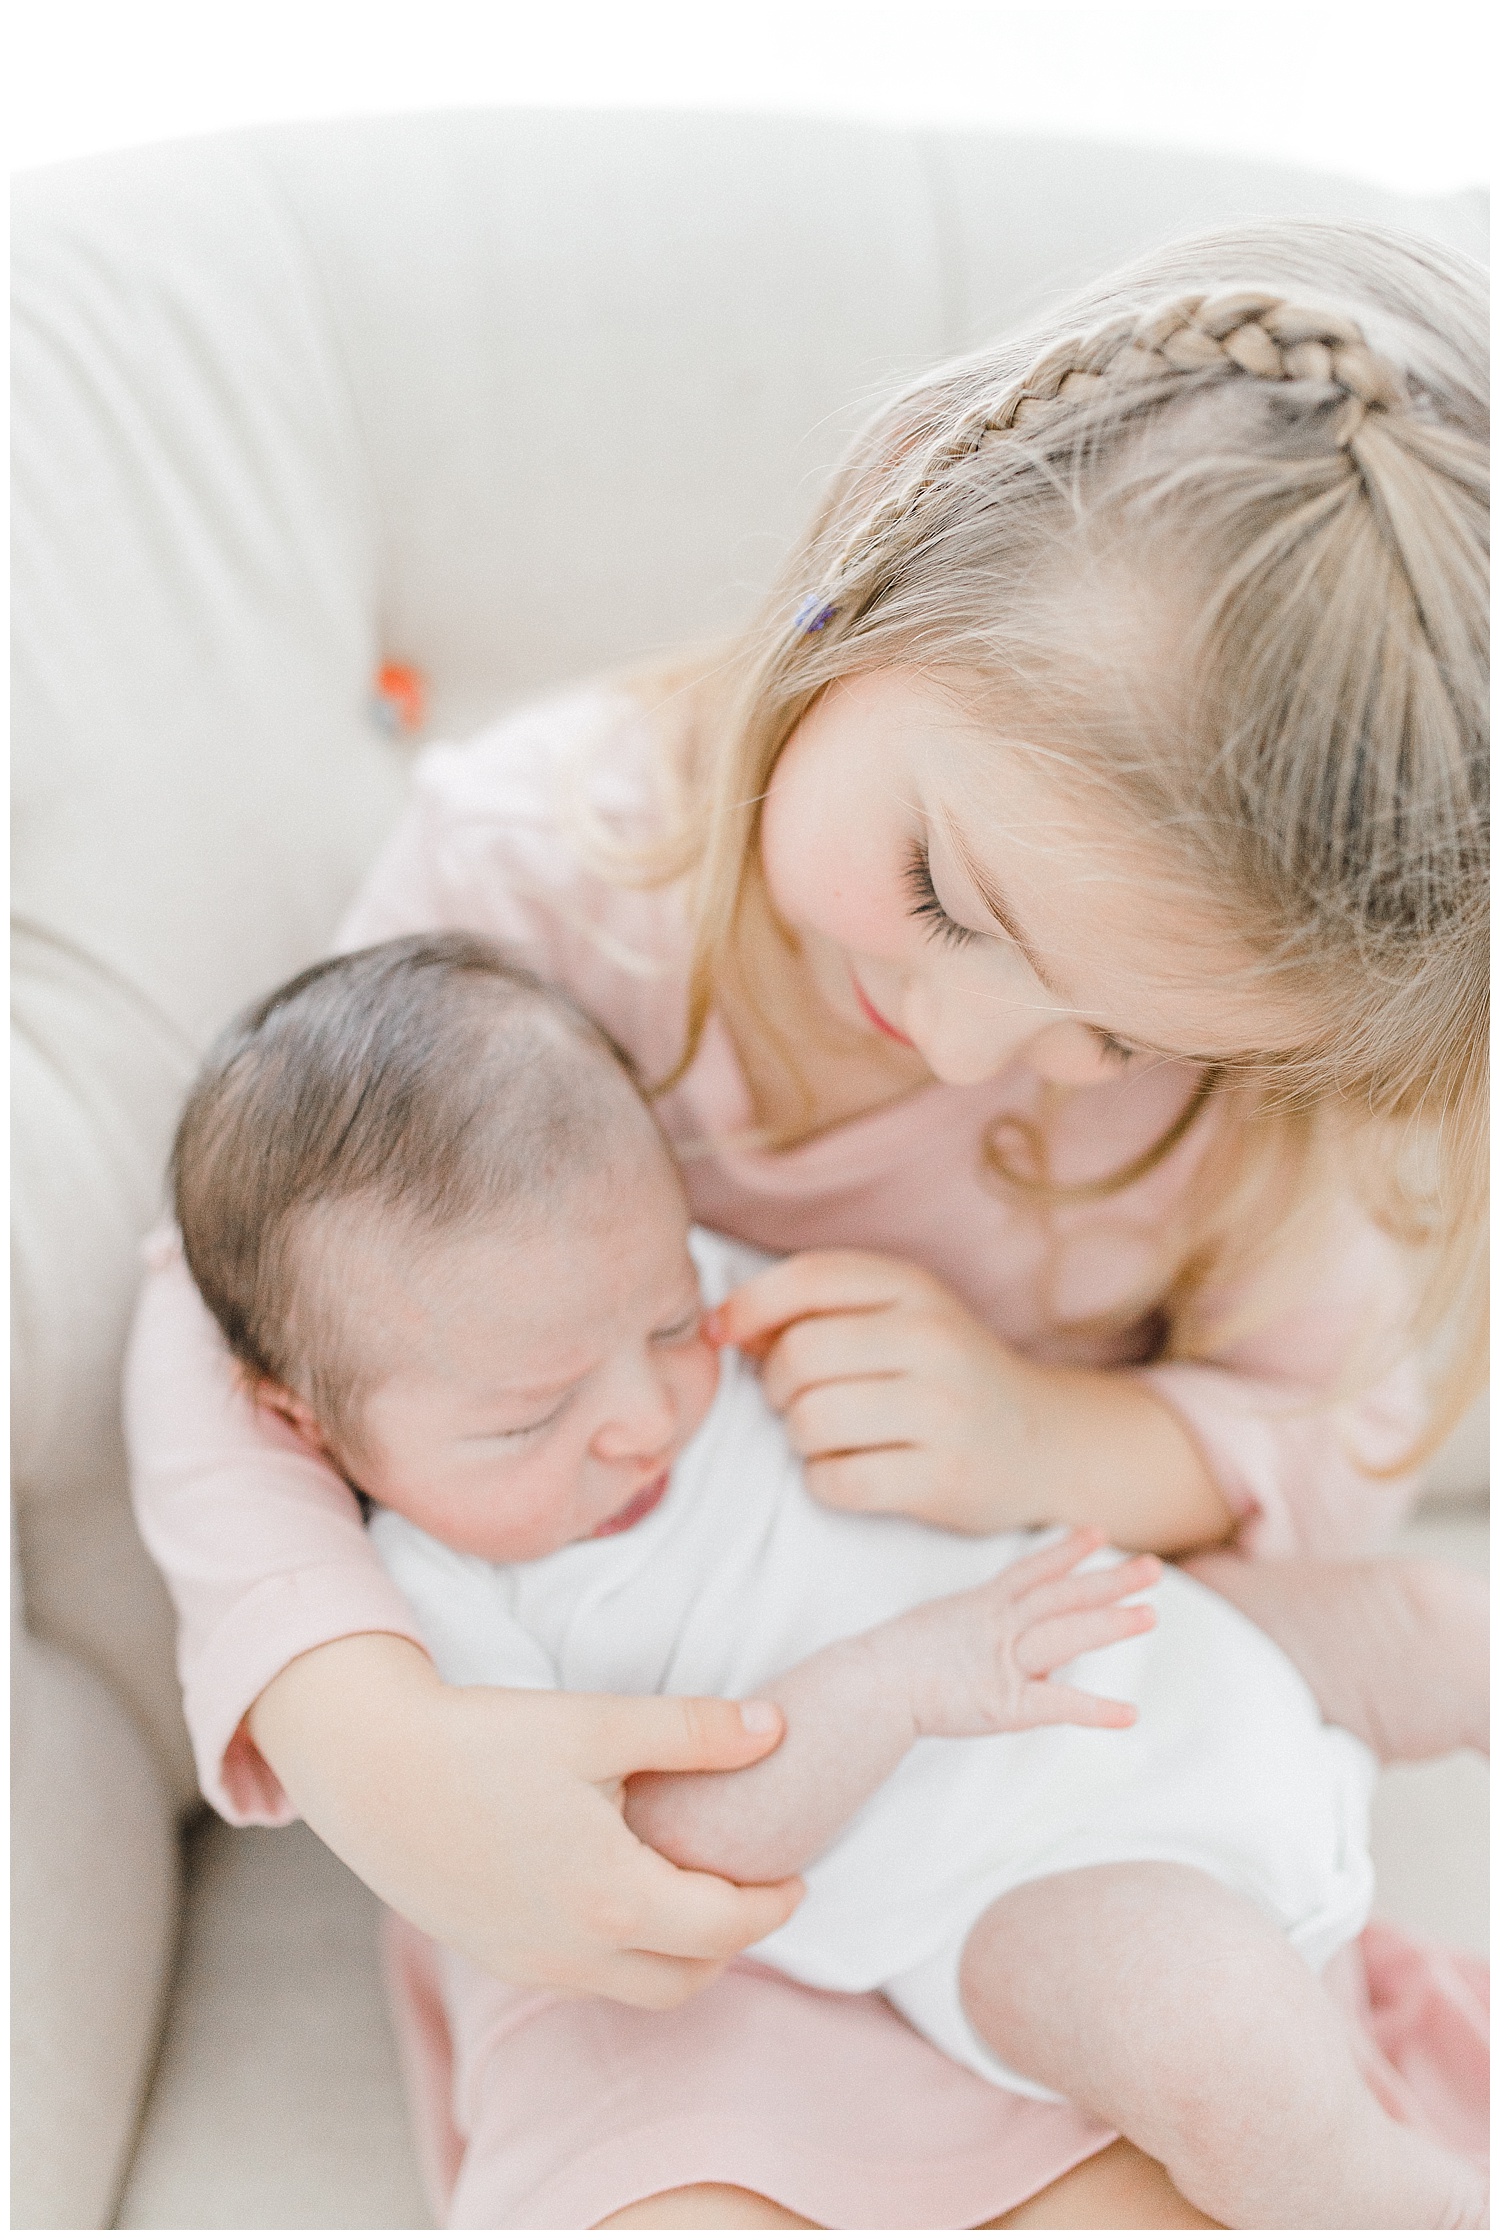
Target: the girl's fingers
(687, 1915)
(825, 1349)
(614, 1736)
(879, 1481)
(810, 1283)
(855, 1415)
(1042, 1648)
(1045, 1704)
(647, 1979)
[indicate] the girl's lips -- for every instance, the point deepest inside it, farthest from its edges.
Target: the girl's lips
(875, 1018)
(641, 1505)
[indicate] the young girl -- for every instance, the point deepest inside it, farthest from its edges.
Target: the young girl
(1065, 912)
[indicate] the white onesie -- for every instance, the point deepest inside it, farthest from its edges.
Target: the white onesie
(738, 1574)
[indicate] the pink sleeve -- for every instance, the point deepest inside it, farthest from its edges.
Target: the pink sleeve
(496, 841)
(1302, 1473)
(262, 1544)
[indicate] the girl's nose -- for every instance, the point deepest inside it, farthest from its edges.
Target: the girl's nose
(967, 1035)
(641, 1416)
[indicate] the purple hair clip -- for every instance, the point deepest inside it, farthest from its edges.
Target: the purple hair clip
(815, 613)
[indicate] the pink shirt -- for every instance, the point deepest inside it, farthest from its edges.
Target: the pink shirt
(262, 1544)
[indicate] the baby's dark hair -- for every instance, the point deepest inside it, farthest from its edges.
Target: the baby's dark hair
(429, 1080)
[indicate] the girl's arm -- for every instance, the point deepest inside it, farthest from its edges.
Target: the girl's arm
(901, 1401)
(489, 1817)
(969, 1664)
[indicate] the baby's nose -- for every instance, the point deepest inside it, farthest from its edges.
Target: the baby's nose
(642, 1419)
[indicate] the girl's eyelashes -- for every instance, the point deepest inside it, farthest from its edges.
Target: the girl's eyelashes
(925, 903)
(1112, 1046)
(677, 1333)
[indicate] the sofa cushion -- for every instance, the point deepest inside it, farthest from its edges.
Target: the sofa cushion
(277, 2104)
(94, 1907)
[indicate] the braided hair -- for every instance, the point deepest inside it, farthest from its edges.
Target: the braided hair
(1271, 444)
(1245, 331)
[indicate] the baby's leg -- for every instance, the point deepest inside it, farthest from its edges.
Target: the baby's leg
(1170, 2007)
(705, 2208)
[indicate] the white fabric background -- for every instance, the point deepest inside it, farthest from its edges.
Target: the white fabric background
(1378, 92)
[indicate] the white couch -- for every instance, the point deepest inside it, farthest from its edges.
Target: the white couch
(512, 396)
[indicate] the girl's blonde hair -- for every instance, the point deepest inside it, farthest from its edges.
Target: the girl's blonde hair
(1275, 436)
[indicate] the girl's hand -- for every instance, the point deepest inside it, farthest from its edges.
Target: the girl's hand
(977, 1663)
(490, 1817)
(900, 1402)
(897, 1399)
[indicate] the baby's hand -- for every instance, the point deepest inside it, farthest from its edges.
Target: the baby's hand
(977, 1663)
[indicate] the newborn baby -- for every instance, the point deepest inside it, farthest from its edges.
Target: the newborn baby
(432, 1212)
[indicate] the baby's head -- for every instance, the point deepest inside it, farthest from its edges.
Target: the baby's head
(439, 1227)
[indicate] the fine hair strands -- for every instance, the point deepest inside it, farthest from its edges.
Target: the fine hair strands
(1280, 430)
(428, 1084)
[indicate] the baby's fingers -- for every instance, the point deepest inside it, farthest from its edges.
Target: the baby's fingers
(1045, 1704)
(1086, 1590)
(1055, 1561)
(1042, 1648)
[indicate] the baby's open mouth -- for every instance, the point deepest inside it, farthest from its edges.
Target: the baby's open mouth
(641, 1505)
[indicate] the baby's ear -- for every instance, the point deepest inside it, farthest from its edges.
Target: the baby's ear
(267, 1394)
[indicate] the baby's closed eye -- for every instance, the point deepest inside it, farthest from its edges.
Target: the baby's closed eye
(514, 1432)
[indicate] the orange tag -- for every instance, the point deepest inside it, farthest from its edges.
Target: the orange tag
(400, 701)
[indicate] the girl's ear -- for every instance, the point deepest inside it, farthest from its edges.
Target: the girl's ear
(267, 1394)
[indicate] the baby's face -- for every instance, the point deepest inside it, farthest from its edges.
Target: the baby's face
(549, 1377)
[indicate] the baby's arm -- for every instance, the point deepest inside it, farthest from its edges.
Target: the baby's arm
(970, 1664)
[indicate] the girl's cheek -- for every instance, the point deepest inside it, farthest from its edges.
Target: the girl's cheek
(847, 894)
(1071, 1058)
(787, 848)
(827, 868)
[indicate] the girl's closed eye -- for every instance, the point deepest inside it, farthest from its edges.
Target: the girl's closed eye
(1113, 1047)
(679, 1333)
(926, 903)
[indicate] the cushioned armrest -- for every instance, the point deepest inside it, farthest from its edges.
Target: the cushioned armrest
(94, 1899)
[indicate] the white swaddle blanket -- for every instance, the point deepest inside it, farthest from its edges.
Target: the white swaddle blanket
(738, 1574)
